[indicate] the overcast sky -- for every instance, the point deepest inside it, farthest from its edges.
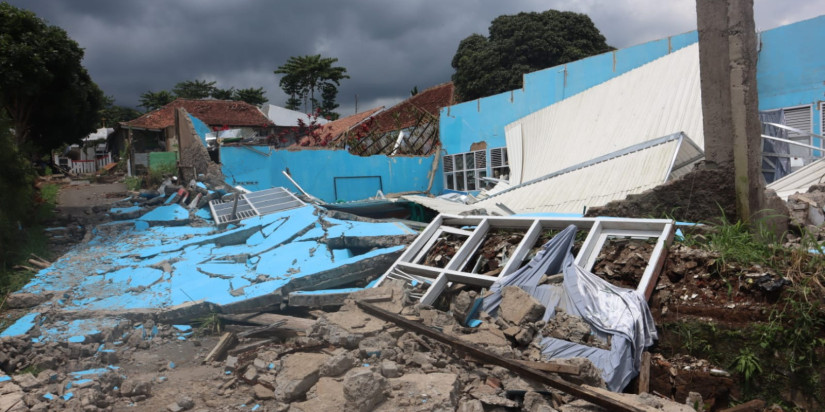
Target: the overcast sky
(387, 46)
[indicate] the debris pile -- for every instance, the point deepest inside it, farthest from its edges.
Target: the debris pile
(808, 211)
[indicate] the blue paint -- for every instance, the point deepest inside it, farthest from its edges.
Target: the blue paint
(484, 119)
(80, 382)
(48, 397)
(123, 210)
(200, 128)
(77, 339)
(204, 214)
(21, 326)
(68, 396)
(316, 170)
(789, 73)
(170, 198)
(168, 213)
(183, 328)
(4, 378)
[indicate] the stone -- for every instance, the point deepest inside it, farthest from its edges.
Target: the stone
(231, 363)
(364, 389)
(135, 388)
(22, 300)
(421, 359)
(390, 369)
(432, 391)
(251, 375)
(534, 401)
(518, 307)
(329, 396)
(262, 392)
(694, 400)
(299, 372)
(26, 381)
(471, 405)
(174, 407)
(337, 365)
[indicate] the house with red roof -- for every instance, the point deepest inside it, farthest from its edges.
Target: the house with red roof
(155, 131)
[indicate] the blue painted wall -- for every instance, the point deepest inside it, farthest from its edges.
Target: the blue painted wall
(791, 68)
(316, 170)
(484, 119)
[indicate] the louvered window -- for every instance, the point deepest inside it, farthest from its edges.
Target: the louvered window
(799, 118)
(464, 171)
(499, 166)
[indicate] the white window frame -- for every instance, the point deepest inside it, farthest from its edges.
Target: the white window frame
(457, 176)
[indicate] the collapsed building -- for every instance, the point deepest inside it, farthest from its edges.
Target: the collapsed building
(410, 320)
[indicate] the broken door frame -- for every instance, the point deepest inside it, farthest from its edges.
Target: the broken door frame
(476, 229)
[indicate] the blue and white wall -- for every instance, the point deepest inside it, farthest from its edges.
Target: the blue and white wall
(484, 119)
(791, 69)
(331, 175)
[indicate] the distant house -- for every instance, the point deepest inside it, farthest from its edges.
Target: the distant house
(408, 128)
(87, 157)
(155, 131)
(287, 124)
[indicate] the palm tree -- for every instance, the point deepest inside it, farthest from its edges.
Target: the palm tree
(304, 75)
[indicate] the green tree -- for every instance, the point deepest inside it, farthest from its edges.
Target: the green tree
(44, 89)
(194, 89)
(112, 114)
(155, 100)
(224, 94)
(251, 95)
(303, 76)
(520, 44)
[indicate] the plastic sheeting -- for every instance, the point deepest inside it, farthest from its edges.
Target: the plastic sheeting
(608, 309)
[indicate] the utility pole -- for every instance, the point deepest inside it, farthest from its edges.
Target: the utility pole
(727, 61)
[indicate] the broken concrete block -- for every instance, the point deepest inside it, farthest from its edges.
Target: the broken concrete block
(21, 300)
(337, 365)
(435, 391)
(534, 401)
(518, 307)
(231, 363)
(251, 375)
(329, 396)
(299, 372)
(262, 392)
(364, 389)
(390, 369)
(471, 405)
(26, 381)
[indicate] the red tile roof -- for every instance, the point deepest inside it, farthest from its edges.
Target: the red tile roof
(406, 113)
(212, 112)
(335, 128)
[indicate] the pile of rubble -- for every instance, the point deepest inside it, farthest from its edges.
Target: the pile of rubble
(348, 358)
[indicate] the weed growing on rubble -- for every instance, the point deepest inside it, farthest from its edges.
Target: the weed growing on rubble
(210, 324)
(747, 364)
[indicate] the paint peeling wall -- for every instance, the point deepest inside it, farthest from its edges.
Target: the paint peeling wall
(791, 69)
(484, 119)
(330, 175)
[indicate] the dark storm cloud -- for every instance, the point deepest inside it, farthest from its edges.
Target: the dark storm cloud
(388, 47)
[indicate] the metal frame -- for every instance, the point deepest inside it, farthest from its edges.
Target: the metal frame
(253, 204)
(476, 229)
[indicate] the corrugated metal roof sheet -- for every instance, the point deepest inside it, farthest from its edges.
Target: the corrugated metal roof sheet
(598, 181)
(658, 99)
(282, 116)
(800, 180)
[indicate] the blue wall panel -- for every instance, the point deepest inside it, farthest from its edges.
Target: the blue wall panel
(316, 170)
(484, 119)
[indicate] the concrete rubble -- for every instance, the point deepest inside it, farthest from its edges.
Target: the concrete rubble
(123, 313)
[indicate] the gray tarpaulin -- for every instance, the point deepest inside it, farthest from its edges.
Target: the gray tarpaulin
(610, 310)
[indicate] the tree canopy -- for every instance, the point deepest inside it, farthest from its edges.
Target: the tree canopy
(519, 44)
(200, 89)
(303, 76)
(44, 89)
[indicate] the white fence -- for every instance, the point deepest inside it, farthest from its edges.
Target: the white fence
(86, 166)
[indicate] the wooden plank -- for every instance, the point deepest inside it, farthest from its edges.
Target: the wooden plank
(290, 323)
(488, 357)
(560, 368)
(644, 373)
(227, 340)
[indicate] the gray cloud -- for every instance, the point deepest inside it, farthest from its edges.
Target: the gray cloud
(387, 47)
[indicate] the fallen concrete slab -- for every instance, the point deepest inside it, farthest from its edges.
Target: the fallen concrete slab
(149, 265)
